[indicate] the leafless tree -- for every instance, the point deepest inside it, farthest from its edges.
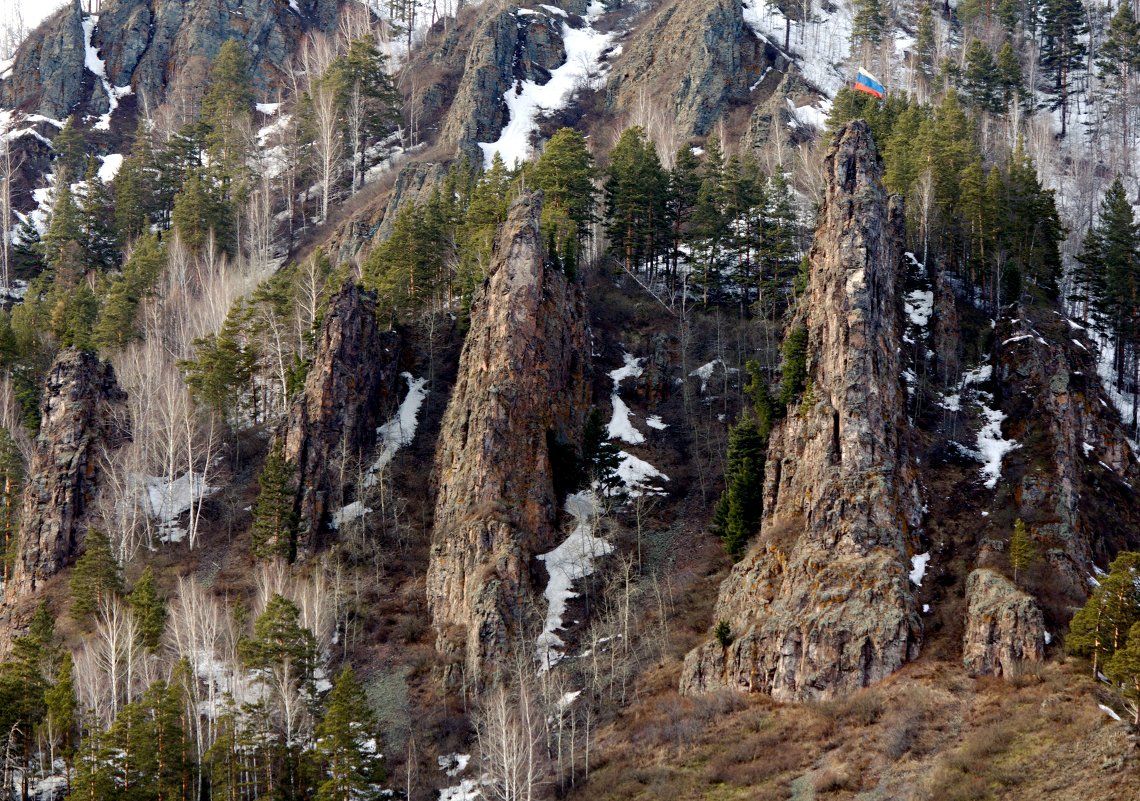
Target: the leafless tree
(509, 728)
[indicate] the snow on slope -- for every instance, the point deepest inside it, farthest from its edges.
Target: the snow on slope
(96, 66)
(570, 561)
(525, 101)
(820, 46)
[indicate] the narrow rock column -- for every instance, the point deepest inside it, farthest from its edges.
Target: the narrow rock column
(521, 386)
(822, 603)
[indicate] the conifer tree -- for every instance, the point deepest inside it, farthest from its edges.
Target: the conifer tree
(635, 191)
(274, 519)
(1118, 64)
(149, 609)
(1010, 77)
(62, 711)
(564, 173)
(11, 485)
(1124, 670)
(600, 457)
(222, 370)
(981, 80)
(1021, 549)
(1063, 48)
(70, 153)
(737, 516)
(227, 109)
(347, 745)
(96, 575)
(1103, 624)
(870, 23)
(369, 97)
(684, 185)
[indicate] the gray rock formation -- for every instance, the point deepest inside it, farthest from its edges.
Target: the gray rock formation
(1005, 631)
(84, 416)
(1073, 475)
(507, 47)
(696, 56)
(349, 391)
(145, 43)
(822, 604)
(521, 383)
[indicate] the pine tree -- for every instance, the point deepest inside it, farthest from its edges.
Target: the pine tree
(636, 192)
(369, 96)
(96, 575)
(981, 80)
(1109, 279)
(1010, 77)
(62, 711)
(710, 225)
(600, 457)
(222, 370)
(684, 185)
(1118, 63)
(283, 650)
(347, 745)
(737, 517)
(1021, 549)
(149, 609)
(65, 228)
(70, 148)
(564, 173)
(227, 109)
(869, 25)
(117, 323)
(1103, 624)
(925, 44)
(11, 485)
(1063, 49)
(274, 519)
(794, 371)
(1124, 670)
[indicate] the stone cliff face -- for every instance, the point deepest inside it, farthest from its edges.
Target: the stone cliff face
(349, 391)
(507, 47)
(521, 383)
(1005, 631)
(83, 416)
(698, 57)
(1072, 476)
(822, 606)
(144, 43)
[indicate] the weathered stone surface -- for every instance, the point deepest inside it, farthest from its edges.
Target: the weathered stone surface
(507, 48)
(145, 43)
(695, 56)
(84, 415)
(1005, 631)
(349, 391)
(822, 603)
(522, 381)
(1074, 474)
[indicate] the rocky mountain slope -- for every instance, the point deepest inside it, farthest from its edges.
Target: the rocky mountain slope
(491, 405)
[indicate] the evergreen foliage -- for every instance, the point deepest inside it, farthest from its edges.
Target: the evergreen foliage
(274, 519)
(96, 575)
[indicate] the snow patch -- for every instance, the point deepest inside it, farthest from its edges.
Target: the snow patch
(992, 447)
(346, 514)
(400, 430)
(166, 501)
(269, 109)
(919, 306)
(110, 167)
(583, 68)
(620, 425)
(1108, 711)
(570, 561)
(918, 564)
(654, 421)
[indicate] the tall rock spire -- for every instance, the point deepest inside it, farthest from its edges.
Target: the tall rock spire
(822, 603)
(521, 387)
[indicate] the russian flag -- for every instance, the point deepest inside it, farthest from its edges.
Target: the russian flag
(866, 82)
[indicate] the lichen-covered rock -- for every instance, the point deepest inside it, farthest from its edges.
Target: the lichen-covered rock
(83, 416)
(697, 57)
(350, 390)
(507, 47)
(146, 43)
(1072, 477)
(1005, 631)
(521, 384)
(822, 604)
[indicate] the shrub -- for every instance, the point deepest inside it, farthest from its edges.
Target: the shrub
(723, 634)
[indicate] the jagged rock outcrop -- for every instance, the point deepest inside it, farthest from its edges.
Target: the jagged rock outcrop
(784, 88)
(146, 43)
(521, 384)
(350, 390)
(507, 47)
(696, 57)
(84, 416)
(822, 604)
(1073, 478)
(1005, 630)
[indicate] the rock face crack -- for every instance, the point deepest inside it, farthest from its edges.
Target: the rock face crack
(822, 603)
(83, 417)
(521, 386)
